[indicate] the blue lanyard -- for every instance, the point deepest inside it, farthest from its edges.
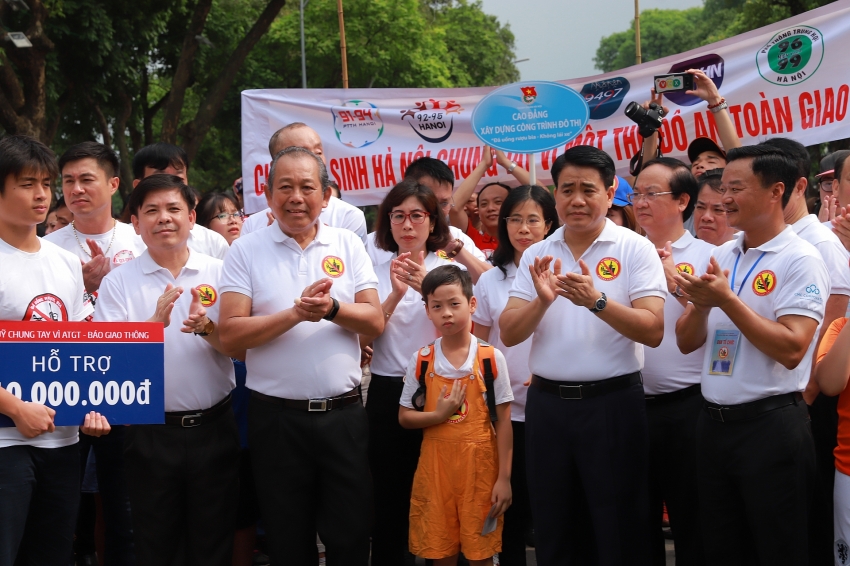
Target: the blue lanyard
(747, 276)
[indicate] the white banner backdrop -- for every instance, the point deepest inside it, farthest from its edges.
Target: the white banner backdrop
(787, 79)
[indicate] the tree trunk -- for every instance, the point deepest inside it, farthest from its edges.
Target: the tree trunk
(183, 73)
(196, 130)
(101, 120)
(126, 173)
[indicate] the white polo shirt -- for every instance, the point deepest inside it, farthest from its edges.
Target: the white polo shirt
(313, 360)
(125, 246)
(573, 344)
(443, 367)
(491, 291)
(790, 279)
(379, 256)
(834, 255)
(408, 329)
(196, 375)
(666, 368)
(338, 214)
(208, 242)
(44, 286)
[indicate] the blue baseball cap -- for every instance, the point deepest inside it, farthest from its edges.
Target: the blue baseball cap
(622, 190)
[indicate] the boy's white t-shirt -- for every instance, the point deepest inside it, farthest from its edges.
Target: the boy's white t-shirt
(442, 367)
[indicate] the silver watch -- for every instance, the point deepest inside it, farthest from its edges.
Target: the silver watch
(600, 305)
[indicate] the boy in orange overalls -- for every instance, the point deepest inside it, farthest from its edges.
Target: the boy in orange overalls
(453, 389)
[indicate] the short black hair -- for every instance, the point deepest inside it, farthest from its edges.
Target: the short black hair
(440, 236)
(159, 156)
(434, 168)
(682, 181)
(105, 157)
(840, 157)
(586, 156)
(20, 154)
(156, 183)
(770, 164)
(446, 275)
(211, 206)
(796, 151)
(713, 178)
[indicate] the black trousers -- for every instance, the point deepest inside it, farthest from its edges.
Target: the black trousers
(587, 477)
(312, 474)
(39, 495)
(183, 488)
(112, 486)
(755, 486)
(824, 414)
(673, 478)
(518, 515)
(393, 456)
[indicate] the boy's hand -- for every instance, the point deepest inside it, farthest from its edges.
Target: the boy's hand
(501, 497)
(447, 405)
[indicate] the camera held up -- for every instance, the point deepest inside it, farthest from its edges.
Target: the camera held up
(648, 121)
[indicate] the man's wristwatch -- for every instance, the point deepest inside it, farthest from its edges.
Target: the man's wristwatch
(600, 305)
(334, 309)
(677, 292)
(209, 328)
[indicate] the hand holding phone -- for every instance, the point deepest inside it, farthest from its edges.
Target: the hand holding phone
(674, 82)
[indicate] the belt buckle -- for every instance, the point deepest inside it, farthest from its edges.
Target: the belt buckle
(715, 414)
(191, 423)
(569, 389)
(317, 405)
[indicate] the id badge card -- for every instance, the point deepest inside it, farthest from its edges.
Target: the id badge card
(724, 349)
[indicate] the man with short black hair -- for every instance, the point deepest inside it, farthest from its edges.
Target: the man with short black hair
(586, 427)
(39, 462)
(183, 475)
(756, 310)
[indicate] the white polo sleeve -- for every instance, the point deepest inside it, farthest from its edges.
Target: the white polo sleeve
(523, 287)
(646, 273)
(364, 272)
(481, 315)
(837, 261)
(502, 383)
(111, 301)
(411, 383)
(805, 290)
(355, 221)
(236, 273)
(81, 307)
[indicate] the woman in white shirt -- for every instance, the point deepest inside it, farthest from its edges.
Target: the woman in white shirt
(527, 216)
(410, 225)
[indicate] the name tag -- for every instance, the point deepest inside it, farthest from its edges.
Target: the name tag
(723, 351)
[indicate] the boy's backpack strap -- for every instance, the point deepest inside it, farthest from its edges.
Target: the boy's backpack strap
(424, 359)
(487, 362)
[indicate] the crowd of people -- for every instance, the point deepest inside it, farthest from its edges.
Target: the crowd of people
(578, 366)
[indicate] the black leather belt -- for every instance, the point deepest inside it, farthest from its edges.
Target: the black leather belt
(191, 419)
(664, 398)
(313, 405)
(389, 378)
(729, 413)
(585, 389)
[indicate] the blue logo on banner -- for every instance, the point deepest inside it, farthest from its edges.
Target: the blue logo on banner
(604, 97)
(530, 117)
(122, 381)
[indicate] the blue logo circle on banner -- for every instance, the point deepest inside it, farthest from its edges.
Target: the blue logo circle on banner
(530, 117)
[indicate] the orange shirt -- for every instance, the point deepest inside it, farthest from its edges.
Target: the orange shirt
(482, 240)
(842, 451)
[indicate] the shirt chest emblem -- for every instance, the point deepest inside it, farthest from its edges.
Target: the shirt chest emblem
(333, 266)
(685, 268)
(207, 294)
(46, 308)
(608, 269)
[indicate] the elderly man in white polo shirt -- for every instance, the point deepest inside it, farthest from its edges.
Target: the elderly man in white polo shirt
(756, 309)
(591, 294)
(296, 294)
(183, 475)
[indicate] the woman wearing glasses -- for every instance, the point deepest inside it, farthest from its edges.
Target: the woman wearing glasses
(411, 226)
(527, 216)
(220, 213)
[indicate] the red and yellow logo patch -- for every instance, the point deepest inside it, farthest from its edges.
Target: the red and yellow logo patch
(685, 268)
(443, 255)
(460, 414)
(208, 294)
(608, 269)
(764, 283)
(333, 266)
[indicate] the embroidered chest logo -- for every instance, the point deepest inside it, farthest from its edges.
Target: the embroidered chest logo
(443, 255)
(460, 414)
(685, 268)
(333, 266)
(764, 283)
(608, 269)
(122, 257)
(208, 294)
(46, 308)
